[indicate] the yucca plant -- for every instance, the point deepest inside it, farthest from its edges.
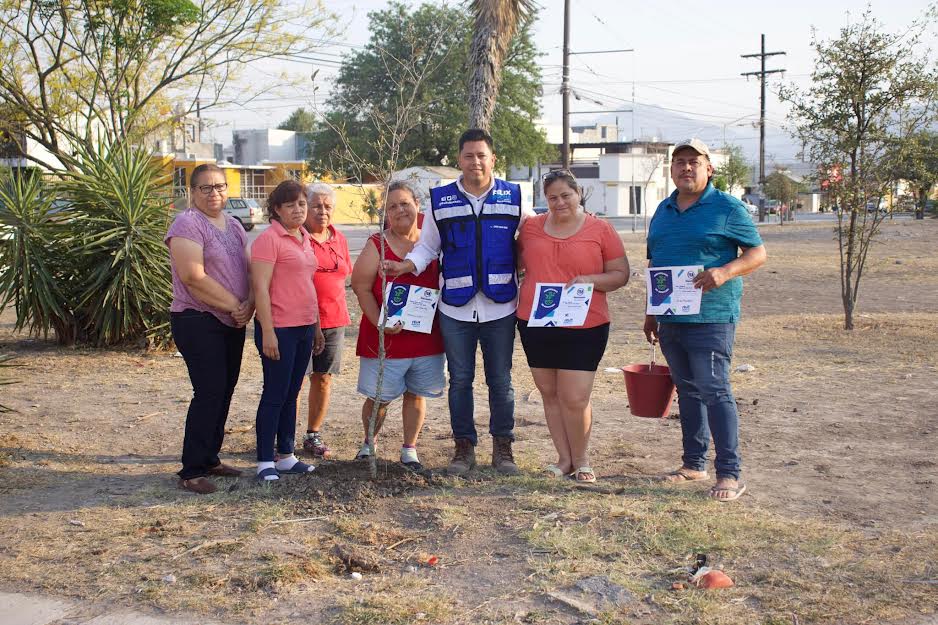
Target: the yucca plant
(121, 198)
(35, 259)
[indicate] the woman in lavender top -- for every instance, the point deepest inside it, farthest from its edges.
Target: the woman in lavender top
(212, 302)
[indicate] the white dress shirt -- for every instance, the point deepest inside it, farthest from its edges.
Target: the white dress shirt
(429, 247)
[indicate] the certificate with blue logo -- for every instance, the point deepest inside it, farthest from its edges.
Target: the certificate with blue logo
(671, 290)
(412, 307)
(559, 306)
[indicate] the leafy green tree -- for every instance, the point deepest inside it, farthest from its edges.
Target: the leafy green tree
(300, 120)
(433, 42)
(779, 186)
(72, 71)
(870, 92)
(919, 166)
(735, 171)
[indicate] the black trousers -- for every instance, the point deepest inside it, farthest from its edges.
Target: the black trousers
(212, 352)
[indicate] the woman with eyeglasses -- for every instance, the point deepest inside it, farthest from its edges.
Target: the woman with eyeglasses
(413, 367)
(334, 264)
(212, 302)
(286, 328)
(567, 245)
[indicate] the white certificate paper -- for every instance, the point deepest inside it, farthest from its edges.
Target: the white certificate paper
(413, 307)
(671, 291)
(557, 306)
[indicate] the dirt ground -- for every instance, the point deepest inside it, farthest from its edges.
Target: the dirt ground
(838, 434)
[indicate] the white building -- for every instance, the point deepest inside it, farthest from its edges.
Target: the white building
(619, 179)
(426, 177)
(263, 145)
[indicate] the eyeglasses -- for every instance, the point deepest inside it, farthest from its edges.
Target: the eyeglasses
(557, 173)
(335, 259)
(206, 189)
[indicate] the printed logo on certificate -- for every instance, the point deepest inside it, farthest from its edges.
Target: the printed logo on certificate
(412, 307)
(671, 290)
(559, 306)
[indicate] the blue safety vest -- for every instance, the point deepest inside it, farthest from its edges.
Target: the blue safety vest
(478, 251)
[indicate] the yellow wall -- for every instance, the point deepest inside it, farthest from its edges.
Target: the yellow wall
(350, 198)
(350, 202)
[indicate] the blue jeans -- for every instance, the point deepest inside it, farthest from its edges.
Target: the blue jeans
(460, 339)
(699, 356)
(276, 413)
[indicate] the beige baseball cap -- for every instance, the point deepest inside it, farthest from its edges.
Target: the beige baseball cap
(695, 144)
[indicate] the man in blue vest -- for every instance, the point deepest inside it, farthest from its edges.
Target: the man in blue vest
(699, 225)
(472, 232)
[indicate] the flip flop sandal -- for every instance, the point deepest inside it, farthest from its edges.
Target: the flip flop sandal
(554, 471)
(683, 476)
(269, 474)
(585, 471)
(298, 468)
(736, 493)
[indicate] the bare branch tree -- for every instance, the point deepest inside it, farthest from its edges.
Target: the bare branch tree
(392, 125)
(75, 70)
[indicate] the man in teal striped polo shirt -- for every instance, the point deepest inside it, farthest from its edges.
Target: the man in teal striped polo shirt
(700, 225)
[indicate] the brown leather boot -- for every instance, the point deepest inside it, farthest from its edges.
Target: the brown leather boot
(464, 460)
(502, 458)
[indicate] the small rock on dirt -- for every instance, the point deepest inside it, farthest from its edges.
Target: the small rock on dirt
(76, 523)
(593, 595)
(169, 579)
(745, 368)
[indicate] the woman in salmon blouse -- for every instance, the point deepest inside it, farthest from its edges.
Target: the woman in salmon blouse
(568, 245)
(286, 326)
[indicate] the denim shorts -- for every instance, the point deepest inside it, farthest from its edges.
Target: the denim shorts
(422, 376)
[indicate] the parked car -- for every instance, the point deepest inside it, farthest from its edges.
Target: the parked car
(872, 207)
(752, 208)
(540, 210)
(772, 206)
(247, 211)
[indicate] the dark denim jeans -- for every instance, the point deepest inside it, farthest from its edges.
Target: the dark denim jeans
(460, 339)
(212, 352)
(699, 356)
(276, 413)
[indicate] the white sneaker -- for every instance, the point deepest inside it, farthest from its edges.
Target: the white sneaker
(365, 452)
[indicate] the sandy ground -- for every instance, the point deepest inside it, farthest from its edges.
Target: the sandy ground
(836, 427)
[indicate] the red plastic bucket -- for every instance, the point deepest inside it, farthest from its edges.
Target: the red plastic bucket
(650, 390)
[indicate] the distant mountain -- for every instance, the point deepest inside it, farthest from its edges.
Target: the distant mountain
(654, 122)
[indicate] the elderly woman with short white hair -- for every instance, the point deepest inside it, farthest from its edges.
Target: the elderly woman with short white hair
(335, 264)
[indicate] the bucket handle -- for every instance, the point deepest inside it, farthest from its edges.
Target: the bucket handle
(651, 365)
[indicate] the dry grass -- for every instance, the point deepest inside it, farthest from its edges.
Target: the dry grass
(838, 525)
(646, 538)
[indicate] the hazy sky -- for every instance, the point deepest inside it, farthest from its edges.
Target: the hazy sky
(686, 60)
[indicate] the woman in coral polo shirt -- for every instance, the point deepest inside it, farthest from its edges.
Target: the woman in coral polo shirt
(414, 361)
(568, 245)
(286, 328)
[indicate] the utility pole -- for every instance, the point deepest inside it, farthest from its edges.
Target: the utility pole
(565, 86)
(762, 74)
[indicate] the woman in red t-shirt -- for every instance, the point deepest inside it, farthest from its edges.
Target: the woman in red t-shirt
(413, 365)
(567, 245)
(333, 266)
